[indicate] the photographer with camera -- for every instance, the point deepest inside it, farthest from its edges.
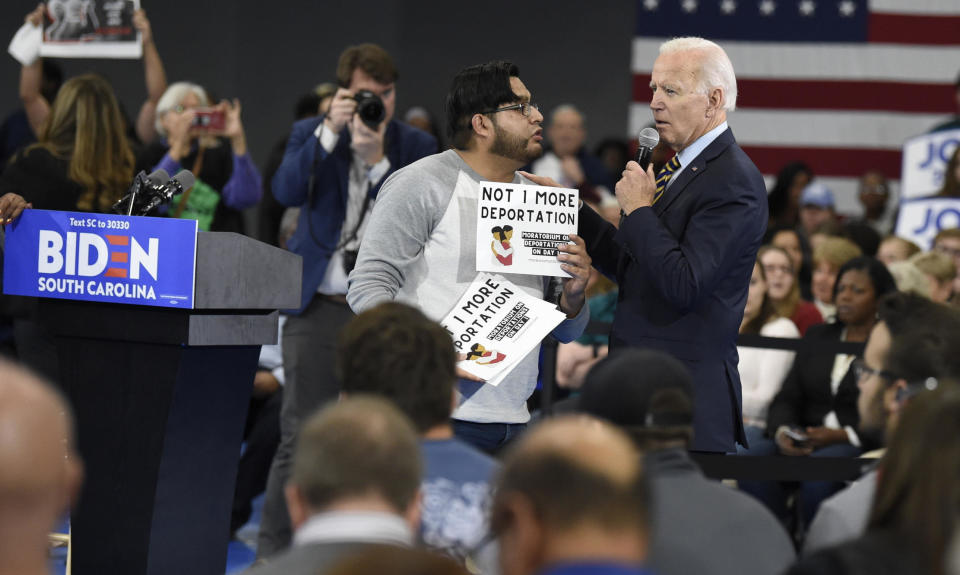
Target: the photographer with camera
(333, 167)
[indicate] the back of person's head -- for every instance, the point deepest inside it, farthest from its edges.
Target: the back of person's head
(393, 350)
(361, 447)
(380, 559)
(86, 128)
(569, 475)
(40, 473)
(647, 393)
(924, 338)
(475, 90)
(918, 490)
(371, 59)
(880, 278)
(836, 252)
(173, 97)
(936, 264)
(862, 234)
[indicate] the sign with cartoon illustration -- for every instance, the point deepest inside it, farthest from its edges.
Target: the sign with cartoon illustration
(519, 227)
(495, 324)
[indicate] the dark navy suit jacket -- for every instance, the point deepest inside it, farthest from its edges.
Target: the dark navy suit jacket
(684, 267)
(320, 223)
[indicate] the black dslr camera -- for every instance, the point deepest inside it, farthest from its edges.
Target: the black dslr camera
(370, 108)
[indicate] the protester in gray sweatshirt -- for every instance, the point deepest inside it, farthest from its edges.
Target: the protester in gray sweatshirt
(420, 247)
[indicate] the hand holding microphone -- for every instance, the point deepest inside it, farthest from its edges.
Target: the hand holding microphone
(638, 184)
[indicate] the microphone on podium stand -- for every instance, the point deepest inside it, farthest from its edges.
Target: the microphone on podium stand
(149, 191)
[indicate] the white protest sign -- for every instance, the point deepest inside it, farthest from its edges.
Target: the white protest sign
(921, 219)
(91, 29)
(496, 324)
(520, 226)
(924, 161)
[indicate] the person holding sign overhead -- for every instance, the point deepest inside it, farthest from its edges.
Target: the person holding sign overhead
(688, 241)
(421, 246)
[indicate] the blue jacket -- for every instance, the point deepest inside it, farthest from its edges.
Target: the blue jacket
(684, 267)
(320, 223)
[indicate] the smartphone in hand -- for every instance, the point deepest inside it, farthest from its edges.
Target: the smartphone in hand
(209, 119)
(797, 436)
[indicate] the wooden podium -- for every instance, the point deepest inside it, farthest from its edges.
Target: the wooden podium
(161, 399)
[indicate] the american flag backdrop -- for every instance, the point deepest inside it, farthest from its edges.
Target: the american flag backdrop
(838, 84)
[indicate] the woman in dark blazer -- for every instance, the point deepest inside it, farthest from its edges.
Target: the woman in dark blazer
(815, 412)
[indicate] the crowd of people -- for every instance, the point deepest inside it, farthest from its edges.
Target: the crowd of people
(377, 452)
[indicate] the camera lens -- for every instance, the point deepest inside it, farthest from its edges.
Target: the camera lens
(370, 108)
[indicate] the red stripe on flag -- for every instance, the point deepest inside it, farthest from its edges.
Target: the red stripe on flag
(119, 257)
(116, 273)
(939, 29)
(835, 162)
(832, 95)
(118, 240)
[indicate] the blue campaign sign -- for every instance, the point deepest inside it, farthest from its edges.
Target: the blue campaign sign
(101, 257)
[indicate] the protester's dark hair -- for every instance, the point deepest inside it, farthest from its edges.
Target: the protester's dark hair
(360, 446)
(880, 278)
(779, 198)
(372, 59)
(925, 337)
(393, 350)
(583, 494)
(475, 90)
(395, 560)
(918, 490)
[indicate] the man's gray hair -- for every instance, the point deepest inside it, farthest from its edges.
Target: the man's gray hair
(716, 69)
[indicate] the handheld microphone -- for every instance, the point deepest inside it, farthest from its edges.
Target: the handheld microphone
(647, 140)
(162, 194)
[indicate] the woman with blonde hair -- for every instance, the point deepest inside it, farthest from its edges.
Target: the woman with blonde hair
(828, 258)
(82, 161)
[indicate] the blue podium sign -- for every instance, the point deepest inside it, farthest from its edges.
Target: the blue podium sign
(101, 257)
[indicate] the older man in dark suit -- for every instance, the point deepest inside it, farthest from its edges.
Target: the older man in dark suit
(689, 237)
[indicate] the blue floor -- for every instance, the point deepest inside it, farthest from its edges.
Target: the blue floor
(240, 553)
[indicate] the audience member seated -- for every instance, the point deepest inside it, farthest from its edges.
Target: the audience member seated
(355, 482)
(37, 104)
(790, 240)
(566, 159)
(784, 197)
(909, 279)
(571, 498)
(948, 242)
(940, 272)
(914, 339)
(873, 192)
(394, 351)
(914, 516)
(863, 235)
(81, 163)
(815, 412)
(761, 370)
(227, 180)
(386, 559)
(784, 290)
(40, 472)
(823, 231)
(816, 207)
(574, 359)
(697, 525)
(827, 260)
(896, 249)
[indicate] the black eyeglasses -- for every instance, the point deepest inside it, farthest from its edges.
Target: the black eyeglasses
(861, 370)
(526, 108)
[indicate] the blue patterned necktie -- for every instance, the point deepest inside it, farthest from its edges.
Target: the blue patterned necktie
(664, 176)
